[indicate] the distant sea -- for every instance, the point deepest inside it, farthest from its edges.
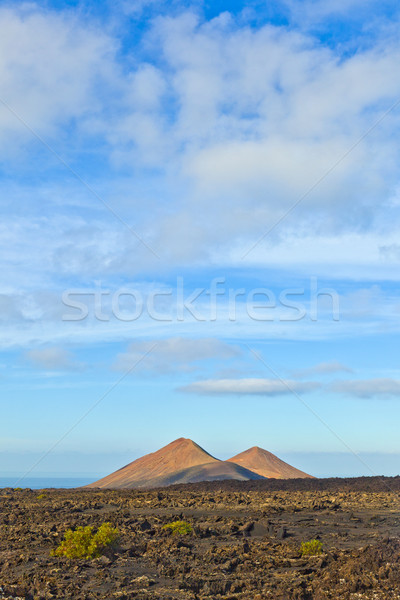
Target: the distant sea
(38, 483)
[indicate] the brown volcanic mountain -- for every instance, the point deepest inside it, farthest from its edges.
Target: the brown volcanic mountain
(176, 456)
(183, 461)
(266, 464)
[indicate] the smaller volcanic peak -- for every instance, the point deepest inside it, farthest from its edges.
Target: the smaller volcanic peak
(180, 454)
(268, 465)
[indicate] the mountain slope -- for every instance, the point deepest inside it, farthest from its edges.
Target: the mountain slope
(208, 472)
(176, 456)
(266, 464)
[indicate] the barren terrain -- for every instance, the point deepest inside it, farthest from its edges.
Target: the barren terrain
(245, 543)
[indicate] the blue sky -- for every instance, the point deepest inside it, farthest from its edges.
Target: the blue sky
(199, 232)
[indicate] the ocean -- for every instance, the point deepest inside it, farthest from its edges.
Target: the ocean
(39, 483)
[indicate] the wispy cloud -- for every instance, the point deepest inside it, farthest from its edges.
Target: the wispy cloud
(263, 387)
(368, 388)
(53, 359)
(175, 355)
(325, 368)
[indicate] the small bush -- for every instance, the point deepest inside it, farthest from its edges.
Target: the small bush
(41, 496)
(179, 528)
(311, 548)
(83, 543)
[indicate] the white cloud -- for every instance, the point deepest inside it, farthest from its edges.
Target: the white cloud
(262, 115)
(325, 368)
(368, 388)
(54, 358)
(264, 387)
(174, 354)
(50, 67)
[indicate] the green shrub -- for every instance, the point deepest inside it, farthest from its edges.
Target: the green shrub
(179, 528)
(41, 496)
(311, 548)
(83, 543)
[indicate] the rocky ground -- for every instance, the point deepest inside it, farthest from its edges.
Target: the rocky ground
(245, 543)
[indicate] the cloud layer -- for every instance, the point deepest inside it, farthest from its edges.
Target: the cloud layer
(221, 114)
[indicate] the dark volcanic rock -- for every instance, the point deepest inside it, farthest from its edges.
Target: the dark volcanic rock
(282, 533)
(239, 549)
